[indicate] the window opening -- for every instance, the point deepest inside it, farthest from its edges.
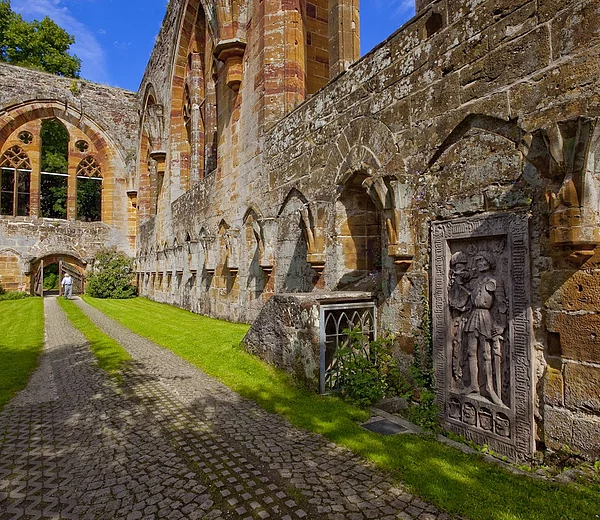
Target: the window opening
(82, 145)
(55, 159)
(89, 190)
(434, 24)
(15, 177)
(336, 321)
(25, 137)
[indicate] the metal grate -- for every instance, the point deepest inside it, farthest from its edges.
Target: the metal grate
(336, 320)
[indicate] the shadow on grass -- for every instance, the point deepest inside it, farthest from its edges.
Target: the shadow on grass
(459, 483)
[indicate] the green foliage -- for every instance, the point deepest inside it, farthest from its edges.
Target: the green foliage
(368, 370)
(110, 355)
(55, 146)
(74, 88)
(462, 484)
(22, 326)
(51, 281)
(2, 291)
(112, 276)
(425, 412)
(40, 44)
(14, 295)
(89, 200)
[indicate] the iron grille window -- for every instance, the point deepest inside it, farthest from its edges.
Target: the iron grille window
(336, 321)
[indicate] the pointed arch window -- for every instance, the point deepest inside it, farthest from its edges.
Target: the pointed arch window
(15, 179)
(89, 190)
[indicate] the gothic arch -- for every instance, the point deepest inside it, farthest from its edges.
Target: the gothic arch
(365, 144)
(18, 115)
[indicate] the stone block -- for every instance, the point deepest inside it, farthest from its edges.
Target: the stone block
(558, 427)
(582, 387)
(516, 24)
(576, 29)
(554, 388)
(562, 83)
(572, 290)
(437, 99)
(579, 335)
(507, 64)
(586, 436)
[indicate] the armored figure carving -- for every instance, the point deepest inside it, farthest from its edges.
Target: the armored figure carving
(479, 307)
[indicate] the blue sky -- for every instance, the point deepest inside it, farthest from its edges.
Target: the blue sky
(114, 38)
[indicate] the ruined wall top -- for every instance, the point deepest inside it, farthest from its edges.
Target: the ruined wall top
(112, 109)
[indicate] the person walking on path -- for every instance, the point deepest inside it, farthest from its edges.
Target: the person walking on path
(67, 283)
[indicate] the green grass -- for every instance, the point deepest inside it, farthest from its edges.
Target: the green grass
(21, 341)
(110, 355)
(459, 483)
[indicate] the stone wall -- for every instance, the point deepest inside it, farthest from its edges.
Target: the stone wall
(471, 110)
(102, 117)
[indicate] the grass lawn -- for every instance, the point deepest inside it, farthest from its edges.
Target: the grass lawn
(459, 483)
(108, 352)
(21, 341)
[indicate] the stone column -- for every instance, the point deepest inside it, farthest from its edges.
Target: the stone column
(72, 187)
(196, 86)
(344, 35)
(284, 59)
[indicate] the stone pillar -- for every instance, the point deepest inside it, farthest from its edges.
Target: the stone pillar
(35, 156)
(344, 35)
(196, 86)
(284, 59)
(72, 187)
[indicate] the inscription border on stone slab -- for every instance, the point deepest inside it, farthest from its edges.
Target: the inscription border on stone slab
(482, 324)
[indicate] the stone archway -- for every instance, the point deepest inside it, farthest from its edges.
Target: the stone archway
(75, 266)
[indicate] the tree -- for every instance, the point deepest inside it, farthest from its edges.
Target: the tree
(38, 44)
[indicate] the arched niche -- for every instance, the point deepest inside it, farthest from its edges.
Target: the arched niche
(357, 237)
(294, 273)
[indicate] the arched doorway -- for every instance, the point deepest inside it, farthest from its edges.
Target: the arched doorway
(48, 271)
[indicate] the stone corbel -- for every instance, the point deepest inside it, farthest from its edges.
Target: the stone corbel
(231, 53)
(575, 207)
(315, 239)
(210, 254)
(394, 199)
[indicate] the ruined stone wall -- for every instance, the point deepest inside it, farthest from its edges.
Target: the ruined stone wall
(102, 117)
(472, 111)
(112, 109)
(451, 107)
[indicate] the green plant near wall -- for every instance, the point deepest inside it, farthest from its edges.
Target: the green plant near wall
(112, 277)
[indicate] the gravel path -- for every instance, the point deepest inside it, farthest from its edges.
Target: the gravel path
(169, 442)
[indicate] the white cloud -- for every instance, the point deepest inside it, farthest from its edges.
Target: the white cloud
(87, 47)
(398, 8)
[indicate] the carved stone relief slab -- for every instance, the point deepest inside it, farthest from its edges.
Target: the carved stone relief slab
(482, 330)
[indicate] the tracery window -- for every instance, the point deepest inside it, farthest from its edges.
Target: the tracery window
(15, 177)
(89, 190)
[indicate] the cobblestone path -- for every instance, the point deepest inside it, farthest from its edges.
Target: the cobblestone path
(169, 442)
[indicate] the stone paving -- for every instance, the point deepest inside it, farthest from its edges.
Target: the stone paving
(169, 442)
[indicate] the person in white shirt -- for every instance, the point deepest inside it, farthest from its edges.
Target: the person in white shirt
(67, 283)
